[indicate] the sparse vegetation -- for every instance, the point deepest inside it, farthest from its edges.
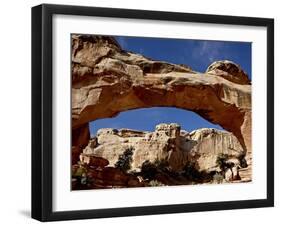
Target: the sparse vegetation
(218, 178)
(79, 176)
(79, 170)
(148, 170)
(243, 162)
(115, 131)
(191, 172)
(221, 161)
(155, 183)
(124, 160)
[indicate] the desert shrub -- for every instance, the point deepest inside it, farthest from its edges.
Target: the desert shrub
(79, 171)
(218, 178)
(148, 170)
(190, 172)
(221, 161)
(243, 162)
(115, 131)
(155, 183)
(161, 164)
(79, 176)
(124, 160)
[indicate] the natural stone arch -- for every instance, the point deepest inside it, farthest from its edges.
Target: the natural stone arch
(106, 80)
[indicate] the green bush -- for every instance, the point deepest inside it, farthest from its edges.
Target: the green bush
(148, 170)
(221, 161)
(190, 172)
(79, 171)
(124, 160)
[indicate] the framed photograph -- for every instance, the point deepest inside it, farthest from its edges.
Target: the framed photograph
(146, 112)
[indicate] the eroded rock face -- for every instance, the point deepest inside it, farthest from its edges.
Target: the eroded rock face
(230, 71)
(80, 139)
(107, 80)
(93, 161)
(207, 144)
(147, 146)
(169, 144)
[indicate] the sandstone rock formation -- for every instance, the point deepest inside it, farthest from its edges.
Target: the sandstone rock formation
(207, 144)
(107, 80)
(163, 144)
(94, 161)
(108, 177)
(167, 143)
(230, 71)
(80, 139)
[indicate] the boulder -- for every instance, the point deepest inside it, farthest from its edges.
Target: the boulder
(134, 182)
(108, 176)
(230, 71)
(93, 161)
(235, 171)
(228, 175)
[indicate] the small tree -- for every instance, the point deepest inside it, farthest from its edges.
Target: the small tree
(221, 161)
(191, 172)
(148, 170)
(124, 160)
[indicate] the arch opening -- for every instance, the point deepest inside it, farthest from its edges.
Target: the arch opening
(146, 119)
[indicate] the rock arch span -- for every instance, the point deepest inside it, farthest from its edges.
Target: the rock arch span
(107, 80)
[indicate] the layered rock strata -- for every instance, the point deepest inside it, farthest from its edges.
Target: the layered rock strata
(107, 80)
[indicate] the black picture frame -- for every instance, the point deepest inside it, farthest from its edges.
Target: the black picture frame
(42, 111)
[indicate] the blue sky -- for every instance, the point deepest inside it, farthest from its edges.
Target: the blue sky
(198, 54)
